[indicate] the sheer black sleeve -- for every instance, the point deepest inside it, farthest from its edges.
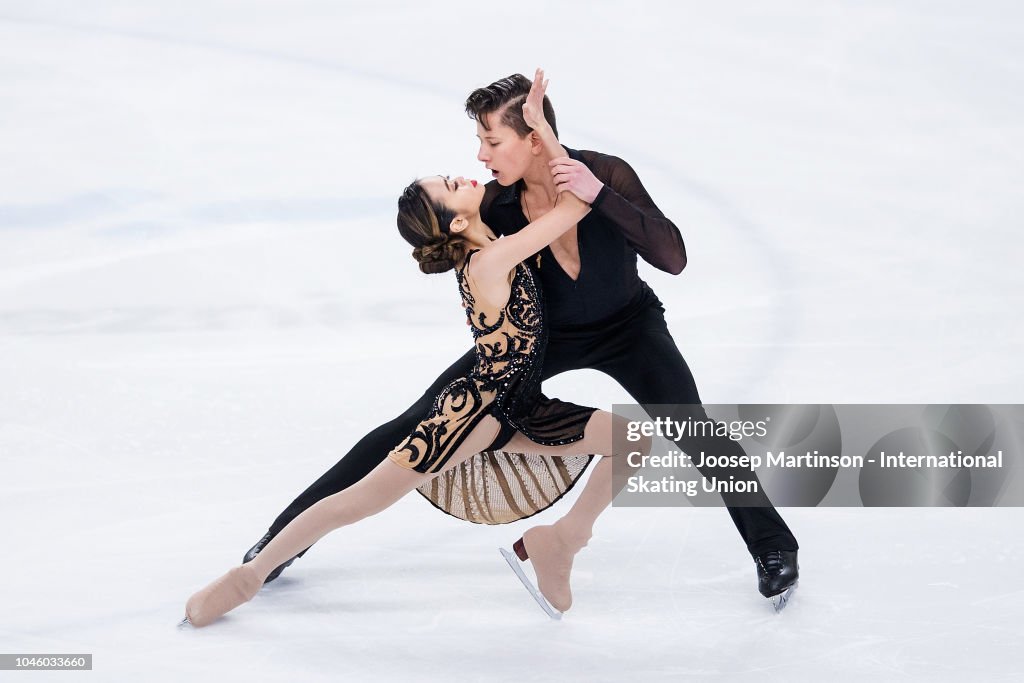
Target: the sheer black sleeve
(625, 202)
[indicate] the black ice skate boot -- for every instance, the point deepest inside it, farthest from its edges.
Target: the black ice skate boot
(777, 575)
(251, 554)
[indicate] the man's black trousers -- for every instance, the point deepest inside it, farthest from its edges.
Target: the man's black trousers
(637, 351)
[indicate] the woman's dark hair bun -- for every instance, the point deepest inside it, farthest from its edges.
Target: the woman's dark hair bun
(439, 256)
(420, 222)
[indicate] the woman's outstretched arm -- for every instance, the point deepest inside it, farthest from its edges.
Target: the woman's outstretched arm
(503, 255)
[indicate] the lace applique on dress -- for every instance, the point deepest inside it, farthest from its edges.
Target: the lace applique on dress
(495, 487)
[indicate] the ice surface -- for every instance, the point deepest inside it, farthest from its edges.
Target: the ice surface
(204, 303)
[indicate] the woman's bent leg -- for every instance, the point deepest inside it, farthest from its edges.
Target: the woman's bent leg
(551, 548)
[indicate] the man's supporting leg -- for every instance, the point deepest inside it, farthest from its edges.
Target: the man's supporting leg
(641, 355)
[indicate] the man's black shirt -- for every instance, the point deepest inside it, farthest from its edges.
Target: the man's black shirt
(624, 222)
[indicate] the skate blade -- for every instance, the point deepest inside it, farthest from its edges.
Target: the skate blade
(517, 567)
(780, 601)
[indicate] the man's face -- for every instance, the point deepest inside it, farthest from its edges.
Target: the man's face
(506, 155)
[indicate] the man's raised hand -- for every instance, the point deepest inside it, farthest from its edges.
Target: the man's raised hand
(533, 107)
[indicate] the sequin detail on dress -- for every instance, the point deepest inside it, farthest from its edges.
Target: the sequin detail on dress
(495, 487)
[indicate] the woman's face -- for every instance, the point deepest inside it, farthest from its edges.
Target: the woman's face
(506, 155)
(459, 194)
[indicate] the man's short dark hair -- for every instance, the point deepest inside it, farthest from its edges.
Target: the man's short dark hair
(507, 95)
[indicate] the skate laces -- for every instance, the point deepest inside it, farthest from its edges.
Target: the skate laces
(267, 538)
(771, 561)
(252, 552)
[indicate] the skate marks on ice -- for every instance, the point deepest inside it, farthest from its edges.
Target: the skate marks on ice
(336, 66)
(316, 311)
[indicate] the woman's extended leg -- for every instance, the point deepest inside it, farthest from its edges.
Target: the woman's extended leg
(551, 548)
(381, 488)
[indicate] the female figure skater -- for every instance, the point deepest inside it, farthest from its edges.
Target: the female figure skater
(450, 456)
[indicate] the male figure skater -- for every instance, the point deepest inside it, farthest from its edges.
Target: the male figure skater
(601, 315)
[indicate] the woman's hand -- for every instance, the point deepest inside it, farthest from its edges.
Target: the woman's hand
(575, 177)
(572, 205)
(533, 107)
